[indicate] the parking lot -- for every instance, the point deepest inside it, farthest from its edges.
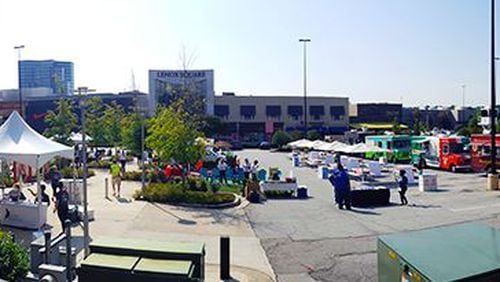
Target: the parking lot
(312, 239)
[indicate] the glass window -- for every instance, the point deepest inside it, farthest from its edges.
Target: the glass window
(247, 111)
(446, 149)
(389, 145)
(402, 144)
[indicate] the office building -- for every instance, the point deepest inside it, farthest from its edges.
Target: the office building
(375, 112)
(166, 85)
(256, 118)
(46, 77)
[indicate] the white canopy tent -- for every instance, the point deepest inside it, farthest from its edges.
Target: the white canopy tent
(302, 143)
(334, 146)
(76, 137)
(360, 148)
(22, 144)
(317, 143)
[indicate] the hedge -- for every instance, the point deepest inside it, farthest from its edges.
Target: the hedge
(14, 259)
(177, 193)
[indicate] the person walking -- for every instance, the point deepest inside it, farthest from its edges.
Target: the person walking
(253, 169)
(342, 187)
(222, 166)
(123, 160)
(55, 179)
(116, 181)
(62, 206)
(403, 186)
(247, 167)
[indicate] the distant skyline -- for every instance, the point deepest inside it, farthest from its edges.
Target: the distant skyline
(417, 52)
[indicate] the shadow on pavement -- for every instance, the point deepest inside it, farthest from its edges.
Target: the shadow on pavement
(180, 220)
(363, 211)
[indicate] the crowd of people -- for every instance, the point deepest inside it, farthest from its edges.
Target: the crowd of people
(249, 169)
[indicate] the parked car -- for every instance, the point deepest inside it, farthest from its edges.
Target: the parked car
(265, 145)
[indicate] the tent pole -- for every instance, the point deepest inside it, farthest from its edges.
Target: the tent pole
(38, 190)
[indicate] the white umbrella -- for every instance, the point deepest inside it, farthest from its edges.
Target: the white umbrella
(302, 143)
(317, 143)
(361, 148)
(77, 137)
(334, 146)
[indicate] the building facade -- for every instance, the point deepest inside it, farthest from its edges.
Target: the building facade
(375, 112)
(166, 85)
(256, 118)
(47, 76)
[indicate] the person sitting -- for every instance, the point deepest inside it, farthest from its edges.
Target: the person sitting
(16, 193)
(45, 196)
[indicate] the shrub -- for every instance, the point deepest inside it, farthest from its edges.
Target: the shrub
(281, 138)
(14, 259)
(101, 164)
(67, 172)
(177, 193)
(215, 187)
(197, 184)
(133, 176)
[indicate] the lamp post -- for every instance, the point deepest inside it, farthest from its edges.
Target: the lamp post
(141, 117)
(492, 176)
(305, 41)
(19, 48)
(462, 116)
(83, 91)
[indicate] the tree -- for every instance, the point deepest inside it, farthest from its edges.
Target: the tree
(131, 132)
(281, 138)
(472, 126)
(212, 126)
(61, 123)
(94, 121)
(172, 136)
(111, 123)
(396, 127)
(14, 259)
(313, 135)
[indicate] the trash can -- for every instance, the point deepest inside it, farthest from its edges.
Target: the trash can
(295, 161)
(302, 192)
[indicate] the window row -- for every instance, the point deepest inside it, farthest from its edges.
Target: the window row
(274, 111)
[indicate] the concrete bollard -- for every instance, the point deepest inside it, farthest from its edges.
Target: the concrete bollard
(106, 188)
(224, 259)
(67, 224)
(46, 256)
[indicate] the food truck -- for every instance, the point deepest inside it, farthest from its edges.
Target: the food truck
(396, 148)
(480, 145)
(444, 152)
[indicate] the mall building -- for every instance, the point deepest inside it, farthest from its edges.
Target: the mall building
(256, 118)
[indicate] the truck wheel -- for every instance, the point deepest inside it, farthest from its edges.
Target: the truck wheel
(453, 168)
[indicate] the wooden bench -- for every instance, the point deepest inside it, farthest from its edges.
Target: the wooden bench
(104, 267)
(154, 249)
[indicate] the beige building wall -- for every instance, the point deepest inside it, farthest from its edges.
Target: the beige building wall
(260, 103)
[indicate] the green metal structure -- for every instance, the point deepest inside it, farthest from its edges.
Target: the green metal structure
(464, 252)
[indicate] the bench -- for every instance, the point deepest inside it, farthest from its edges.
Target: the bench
(154, 249)
(105, 267)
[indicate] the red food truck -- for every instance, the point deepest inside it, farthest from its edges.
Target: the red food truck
(481, 149)
(444, 152)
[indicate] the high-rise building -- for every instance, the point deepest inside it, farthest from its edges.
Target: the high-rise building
(51, 76)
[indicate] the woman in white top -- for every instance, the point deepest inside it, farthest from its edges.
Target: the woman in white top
(247, 167)
(253, 169)
(222, 166)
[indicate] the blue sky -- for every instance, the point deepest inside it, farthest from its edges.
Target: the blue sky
(417, 52)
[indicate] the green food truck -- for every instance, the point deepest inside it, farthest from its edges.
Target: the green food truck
(397, 148)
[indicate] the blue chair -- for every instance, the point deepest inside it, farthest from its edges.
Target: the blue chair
(230, 175)
(215, 174)
(279, 173)
(204, 172)
(241, 174)
(261, 175)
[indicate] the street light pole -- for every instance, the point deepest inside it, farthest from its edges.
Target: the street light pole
(493, 112)
(463, 104)
(141, 118)
(19, 48)
(305, 41)
(83, 91)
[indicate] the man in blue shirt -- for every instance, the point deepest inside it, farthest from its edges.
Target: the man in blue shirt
(342, 187)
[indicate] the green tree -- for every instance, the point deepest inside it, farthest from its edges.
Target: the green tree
(61, 122)
(14, 259)
(212, 126)
(281, 138)
(471, 127)
(94, 121)
(313, 135)
(296, 135)
(396, 126)
(111, 123)
(172, 135)
(131, 132)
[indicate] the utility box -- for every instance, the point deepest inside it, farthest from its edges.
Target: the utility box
(465, 252)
